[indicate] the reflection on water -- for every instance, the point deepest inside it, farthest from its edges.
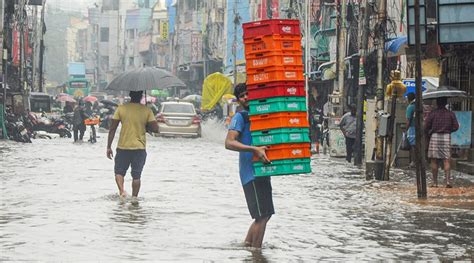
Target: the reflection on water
(59, 202)
(129, 211)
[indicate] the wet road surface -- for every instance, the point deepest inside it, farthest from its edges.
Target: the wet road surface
(59, 202)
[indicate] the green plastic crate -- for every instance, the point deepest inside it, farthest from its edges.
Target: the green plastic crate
(278, 136)
(282, 167)
(277, 104)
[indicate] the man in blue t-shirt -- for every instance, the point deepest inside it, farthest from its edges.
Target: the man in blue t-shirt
(258, 190)
(410, 115)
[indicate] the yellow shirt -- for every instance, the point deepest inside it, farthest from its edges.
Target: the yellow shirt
(134, 118)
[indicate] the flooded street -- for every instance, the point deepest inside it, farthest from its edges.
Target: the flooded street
(59, 202)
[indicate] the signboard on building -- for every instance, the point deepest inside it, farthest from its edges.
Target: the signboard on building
(196, 47)
(16, 48)
(164, 29)
(362, 79)
(411, 86)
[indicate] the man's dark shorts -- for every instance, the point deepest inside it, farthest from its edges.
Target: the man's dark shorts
(258, 194)
(126, 158)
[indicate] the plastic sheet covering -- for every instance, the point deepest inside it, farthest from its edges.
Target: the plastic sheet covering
(213, 88)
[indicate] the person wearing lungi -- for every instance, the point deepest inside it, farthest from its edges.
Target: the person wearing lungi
(439, 125)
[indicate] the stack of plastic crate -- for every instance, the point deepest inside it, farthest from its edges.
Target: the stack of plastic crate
(275, 85)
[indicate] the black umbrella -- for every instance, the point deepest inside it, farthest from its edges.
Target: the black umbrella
(109, 102)
(146, 78)
(444, 91)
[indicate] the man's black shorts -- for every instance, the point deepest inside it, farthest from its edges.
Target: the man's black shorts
(125, 158)
(258, 194)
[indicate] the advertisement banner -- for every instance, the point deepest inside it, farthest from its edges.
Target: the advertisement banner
(196, 47)
(16, 48)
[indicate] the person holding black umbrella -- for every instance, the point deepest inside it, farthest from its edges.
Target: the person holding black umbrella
(439, 125)
(136, 119)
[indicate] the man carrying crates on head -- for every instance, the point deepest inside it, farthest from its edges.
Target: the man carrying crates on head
(258, 191)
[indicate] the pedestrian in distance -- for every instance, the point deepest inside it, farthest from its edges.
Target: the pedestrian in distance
(136, 120)
(78, 125)
(348, 128)
(439, 125)
(257, 190)
(68, 108)
(410, 124)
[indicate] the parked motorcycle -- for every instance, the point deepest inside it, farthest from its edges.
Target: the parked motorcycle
(57, 125)
(16, 129)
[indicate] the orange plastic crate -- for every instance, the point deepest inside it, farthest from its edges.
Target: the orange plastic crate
(287, 151)
(92, 121)
(272, 43)
(274, 73)
(274, 58)
(278, 120)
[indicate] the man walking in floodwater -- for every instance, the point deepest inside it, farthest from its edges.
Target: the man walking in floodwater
(258, 190)
(136, 119)
(439, 125)
(348, 128)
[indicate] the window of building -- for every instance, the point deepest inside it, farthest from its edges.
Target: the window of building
(104, 34)
(131, 61)
(104, 61)
(131, 33)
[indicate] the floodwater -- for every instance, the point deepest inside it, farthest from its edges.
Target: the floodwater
(59, 202)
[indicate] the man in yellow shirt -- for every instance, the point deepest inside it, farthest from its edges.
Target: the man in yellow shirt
(136, 119)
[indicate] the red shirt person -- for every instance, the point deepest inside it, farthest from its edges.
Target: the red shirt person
(439, 125)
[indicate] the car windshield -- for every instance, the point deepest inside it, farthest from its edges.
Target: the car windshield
(178, 108)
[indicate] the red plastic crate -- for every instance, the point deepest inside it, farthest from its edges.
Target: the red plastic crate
(276, 89)
(274, 73)
(278, 120)
(274, 58)
(271, 27)
(272, 43)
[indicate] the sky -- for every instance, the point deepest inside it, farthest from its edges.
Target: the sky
(72, 5)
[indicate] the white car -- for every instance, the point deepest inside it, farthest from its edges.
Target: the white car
(178, 118)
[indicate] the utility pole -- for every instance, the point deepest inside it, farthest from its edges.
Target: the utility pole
(234, 42)
(341, 53)
(41, 54)
(395, 89)
(98, 57)
(35, 47)
(205, 42)
(419, 152)
(307, 54)
(379, 141)
(363, 43)
(21, 68)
